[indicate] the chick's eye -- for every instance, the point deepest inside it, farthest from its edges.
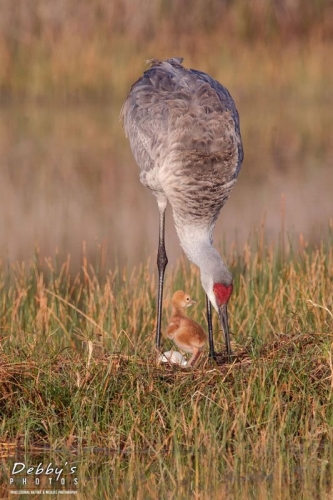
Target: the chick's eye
(187, 298)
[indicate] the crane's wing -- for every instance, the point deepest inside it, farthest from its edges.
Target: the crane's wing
(145, 112)
(184, 133)
(170, 104)
(227, 103)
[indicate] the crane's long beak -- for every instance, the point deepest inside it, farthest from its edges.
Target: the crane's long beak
(223, 315)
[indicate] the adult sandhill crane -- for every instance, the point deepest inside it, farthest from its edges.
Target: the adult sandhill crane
(183, 129)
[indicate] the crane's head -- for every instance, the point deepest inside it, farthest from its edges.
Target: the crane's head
(217, 282)
(216, 279)
(222, 293)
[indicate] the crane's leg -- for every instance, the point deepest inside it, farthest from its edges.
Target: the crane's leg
(162, 261)
(210, 329)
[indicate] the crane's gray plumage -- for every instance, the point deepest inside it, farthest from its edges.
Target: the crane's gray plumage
(184, 133)
(183, 128)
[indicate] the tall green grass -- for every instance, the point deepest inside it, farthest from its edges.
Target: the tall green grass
(78, 373)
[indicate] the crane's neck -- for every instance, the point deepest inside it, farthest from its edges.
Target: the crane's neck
(196, 242)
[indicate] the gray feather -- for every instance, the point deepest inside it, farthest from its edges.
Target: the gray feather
(184, 133)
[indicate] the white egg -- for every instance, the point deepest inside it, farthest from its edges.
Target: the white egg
(173, 357)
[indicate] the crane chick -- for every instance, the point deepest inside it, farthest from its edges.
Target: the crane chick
(186, 333)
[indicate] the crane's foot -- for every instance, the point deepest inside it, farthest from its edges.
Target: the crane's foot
(223, 358)
(158, 348)
(212, 355)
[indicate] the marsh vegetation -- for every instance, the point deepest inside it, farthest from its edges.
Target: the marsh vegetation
(79, 374)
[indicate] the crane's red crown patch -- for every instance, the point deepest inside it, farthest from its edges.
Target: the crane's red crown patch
(222, 293)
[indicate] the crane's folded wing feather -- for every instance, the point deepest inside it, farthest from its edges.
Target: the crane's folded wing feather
(183, 128)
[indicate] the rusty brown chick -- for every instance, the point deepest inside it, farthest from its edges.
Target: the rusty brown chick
(186, 333)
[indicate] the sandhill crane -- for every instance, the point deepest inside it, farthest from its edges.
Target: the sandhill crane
(186, 333)
(183, 129)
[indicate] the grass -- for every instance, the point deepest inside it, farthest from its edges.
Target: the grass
(79, 379)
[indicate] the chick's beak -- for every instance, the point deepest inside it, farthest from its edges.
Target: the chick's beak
(191, 302)
(223, 315)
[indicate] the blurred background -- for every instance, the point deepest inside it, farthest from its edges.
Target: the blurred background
(68, 180)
